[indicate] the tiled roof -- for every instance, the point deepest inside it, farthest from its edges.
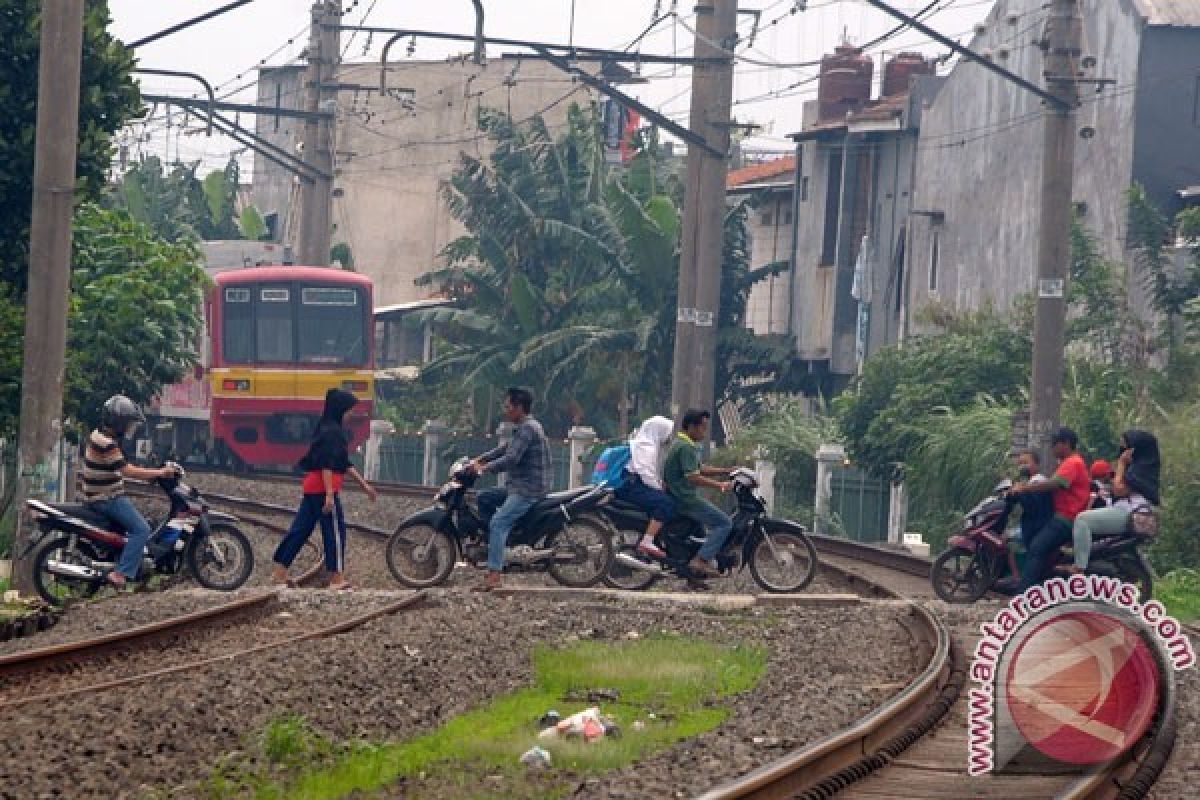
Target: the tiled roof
(1177, 13)
(758, 173)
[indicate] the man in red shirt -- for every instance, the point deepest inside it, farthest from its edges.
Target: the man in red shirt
(1071, 486)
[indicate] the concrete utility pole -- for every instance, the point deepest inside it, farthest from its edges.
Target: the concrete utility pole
(692, 376)
(1063, 38)
(49, 257)
(313, 239)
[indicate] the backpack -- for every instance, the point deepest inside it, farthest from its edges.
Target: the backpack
(610, 467)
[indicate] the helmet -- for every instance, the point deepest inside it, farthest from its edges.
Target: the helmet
(118, 412)
(1101, 470)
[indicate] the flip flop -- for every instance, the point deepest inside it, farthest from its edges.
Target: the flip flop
(342, 587)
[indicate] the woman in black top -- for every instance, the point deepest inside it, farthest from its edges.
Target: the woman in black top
(326, 464)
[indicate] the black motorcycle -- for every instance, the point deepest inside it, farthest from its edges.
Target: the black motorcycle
(561, 534)
(780, 555)
(977, 557)
(74, 548)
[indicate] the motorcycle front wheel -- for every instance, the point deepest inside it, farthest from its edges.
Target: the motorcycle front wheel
(420, 556)
(622, 576)
(958, 576)
(54, 587)
(222, 559)
(785, 563)
(587, 546)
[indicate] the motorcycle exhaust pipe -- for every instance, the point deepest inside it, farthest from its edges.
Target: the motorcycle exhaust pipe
(73, 570)
(626, 560)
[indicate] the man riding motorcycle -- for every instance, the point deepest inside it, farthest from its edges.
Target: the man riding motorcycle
(104, 468)
(526, 459)
(682, 473)
(1071, 488)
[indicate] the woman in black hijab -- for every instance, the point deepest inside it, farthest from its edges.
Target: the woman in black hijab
(1134, 487)
(326, 464)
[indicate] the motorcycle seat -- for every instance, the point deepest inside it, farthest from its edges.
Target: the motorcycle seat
(82, 512)
(626, 508)
(556, 499)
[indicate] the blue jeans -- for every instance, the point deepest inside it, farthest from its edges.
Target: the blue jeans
(333, 532)
(505, 510)
(655, 502)
(121, 511)
(1039, 560)
(716, 522)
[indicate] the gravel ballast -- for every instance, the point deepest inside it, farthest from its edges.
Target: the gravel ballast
(404, 675)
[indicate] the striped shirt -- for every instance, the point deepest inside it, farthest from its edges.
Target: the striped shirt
(102, 465)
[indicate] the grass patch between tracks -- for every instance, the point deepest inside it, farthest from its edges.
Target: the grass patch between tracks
(674, 686)
(1179, 591)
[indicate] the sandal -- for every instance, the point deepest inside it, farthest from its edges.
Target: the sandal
(345, 586)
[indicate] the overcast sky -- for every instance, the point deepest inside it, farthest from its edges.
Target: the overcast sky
(235, 43)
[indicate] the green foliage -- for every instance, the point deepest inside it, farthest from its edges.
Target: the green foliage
(134, 318)
(1178, 544)
(410, 404)
(252, 226)
(135, 312)
(962, 454)
(1179, 591)
(884, 415)
(567, 278)
(177, 204)
(682, 681)
(342, 254)
(108, 99)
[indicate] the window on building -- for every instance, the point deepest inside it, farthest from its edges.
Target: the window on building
(803, 188)
(787, 216)
(833, 208)
(934, 256)
(898, 266)
(768, 217)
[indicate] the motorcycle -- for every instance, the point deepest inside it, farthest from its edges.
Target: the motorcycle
(780, 555)
(74, 548)
(978, 555)
(561, 534)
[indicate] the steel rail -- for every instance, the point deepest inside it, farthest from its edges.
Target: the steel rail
(821, 769)
(410, 600)
(37, 657)
(849, 749)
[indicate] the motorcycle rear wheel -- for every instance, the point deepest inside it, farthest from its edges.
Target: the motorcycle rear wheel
(789, 566)
(58, 590)
(620, 576)
(958, 576)
(223, 559)
(592, 547)
(420, 556)
(1129, 570)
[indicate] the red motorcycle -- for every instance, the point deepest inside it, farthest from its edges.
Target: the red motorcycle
(977, 558)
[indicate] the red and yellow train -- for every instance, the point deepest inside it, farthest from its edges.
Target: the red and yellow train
(277, 339)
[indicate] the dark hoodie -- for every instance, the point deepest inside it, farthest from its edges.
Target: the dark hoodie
(1142, 474)
(330, 448)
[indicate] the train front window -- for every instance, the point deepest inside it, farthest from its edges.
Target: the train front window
(331, 324)
(238, 344)
(274, 328)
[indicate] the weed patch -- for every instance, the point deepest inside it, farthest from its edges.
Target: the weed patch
(669, 688)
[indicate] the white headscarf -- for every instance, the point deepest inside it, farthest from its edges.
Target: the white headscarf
(645, 447)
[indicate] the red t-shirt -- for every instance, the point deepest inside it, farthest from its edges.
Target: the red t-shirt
(1078, 494)
(313, 484)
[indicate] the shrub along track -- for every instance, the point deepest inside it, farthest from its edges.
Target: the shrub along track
(915, 745)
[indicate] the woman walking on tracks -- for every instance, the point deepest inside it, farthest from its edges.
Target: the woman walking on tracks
(326, 464)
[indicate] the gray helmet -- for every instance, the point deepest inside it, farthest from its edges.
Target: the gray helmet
(118, 412)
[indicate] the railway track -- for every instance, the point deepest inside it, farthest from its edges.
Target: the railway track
(68, 657)
(891, 752)
(915, 744)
